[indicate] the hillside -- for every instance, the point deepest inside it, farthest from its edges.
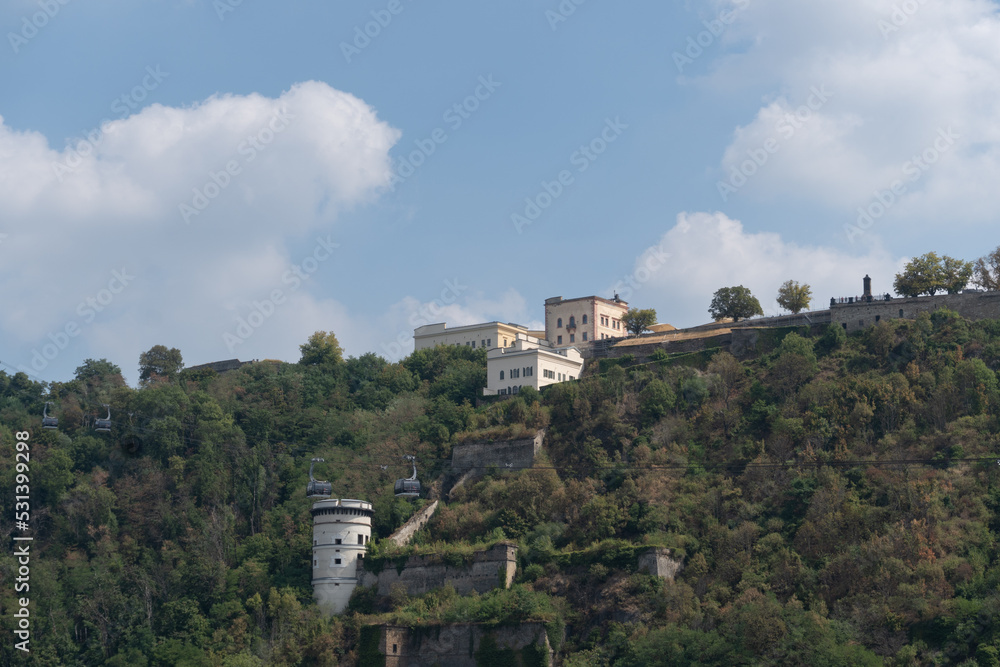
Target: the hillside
(834, 500)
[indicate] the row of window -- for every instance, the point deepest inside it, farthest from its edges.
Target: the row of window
(610, 323)
(572, 338)
(485, 342)
(561, 377)
(336, 560)
(528, 371)
(362, 539)
(572, 322)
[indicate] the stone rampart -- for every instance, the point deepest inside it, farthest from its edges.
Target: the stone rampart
(862, 314)
(493, 568)
(480, 456)
(462, 645)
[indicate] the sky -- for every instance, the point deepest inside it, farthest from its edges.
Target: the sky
(228, 176)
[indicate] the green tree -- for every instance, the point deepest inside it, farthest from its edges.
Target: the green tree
(322, 349)
(159, 361)
(96, 369)
(793, 296)
(986, 271)
(735, 302)
(636, 321)
(930, 274)
(957, 273)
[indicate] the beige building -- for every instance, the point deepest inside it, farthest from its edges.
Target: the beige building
(583, 320)
(342, 529)
(529, 362)
(487, 336)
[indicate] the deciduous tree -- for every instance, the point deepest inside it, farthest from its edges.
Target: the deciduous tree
(986, 271)
(735, 302)
(793, 296)
(159, 361)
(930, 274)
(322, 349)
(636, 320)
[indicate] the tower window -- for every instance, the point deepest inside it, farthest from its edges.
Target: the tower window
(337, 541)
(336, 561)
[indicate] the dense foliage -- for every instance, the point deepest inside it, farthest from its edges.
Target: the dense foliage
(183, 537)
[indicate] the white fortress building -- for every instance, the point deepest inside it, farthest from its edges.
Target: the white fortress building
(529, 362)
(342, 529)
(583, 320)
(485, 336)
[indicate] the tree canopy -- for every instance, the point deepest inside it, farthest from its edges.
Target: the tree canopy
(322, 349)
(636, 321)
(793, 296)
(986, 271)
(930, 274)
(735, 302)
(160, 361)
(96, 369)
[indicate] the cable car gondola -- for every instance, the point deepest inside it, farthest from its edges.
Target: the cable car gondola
(49, 422)
(318, 488)
(410, 487)
(103, 425)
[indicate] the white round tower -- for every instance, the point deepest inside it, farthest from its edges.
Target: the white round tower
(342, 529)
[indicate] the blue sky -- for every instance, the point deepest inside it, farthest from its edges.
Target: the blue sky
(228, 178)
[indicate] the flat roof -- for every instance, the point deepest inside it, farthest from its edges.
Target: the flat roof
(447, 330)
(551, 301)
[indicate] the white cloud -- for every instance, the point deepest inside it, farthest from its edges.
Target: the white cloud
(76, 214)
(707, 251)
(896, 79)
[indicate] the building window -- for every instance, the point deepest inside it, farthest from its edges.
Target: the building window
(861, 323)
(361, 539)
(572, 338)
(473, 345)
(558, 340)
(505, 342)
(315, 563)
(559, 323)
(489, 342)
(572, 322)
(337, 541)
(393, 648)
(878, 317)
(845, 325)
(584, 319)
(571, 377)
(336, 561)
(585, 335)
(501, 375)
(900, 312)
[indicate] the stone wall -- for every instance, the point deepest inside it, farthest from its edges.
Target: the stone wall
(657, 562)
(489, 569)
(403, 536)
(971, 305)
(480, 456)
(463, 645)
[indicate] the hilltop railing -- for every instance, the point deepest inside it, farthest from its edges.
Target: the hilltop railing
(867, 298)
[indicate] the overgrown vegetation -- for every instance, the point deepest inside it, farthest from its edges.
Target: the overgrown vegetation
(183, 537)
